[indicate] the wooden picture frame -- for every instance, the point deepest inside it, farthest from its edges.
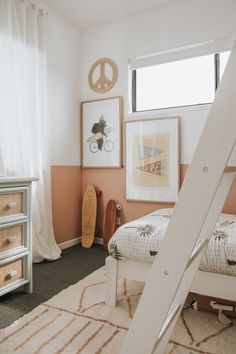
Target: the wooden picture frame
(152, 160)
(101, 133)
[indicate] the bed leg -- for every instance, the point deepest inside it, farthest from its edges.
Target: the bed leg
(111, 281)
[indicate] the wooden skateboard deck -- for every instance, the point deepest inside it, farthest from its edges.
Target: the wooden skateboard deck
(109, 226)
(89, 213)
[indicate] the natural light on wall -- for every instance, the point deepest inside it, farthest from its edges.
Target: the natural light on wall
(223, 61)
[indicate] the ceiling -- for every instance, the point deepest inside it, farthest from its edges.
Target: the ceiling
(88, 13)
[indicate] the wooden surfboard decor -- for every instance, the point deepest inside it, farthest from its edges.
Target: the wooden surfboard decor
(89, 213)
(109, 222)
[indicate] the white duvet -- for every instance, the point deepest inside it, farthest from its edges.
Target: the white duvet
(141, 239)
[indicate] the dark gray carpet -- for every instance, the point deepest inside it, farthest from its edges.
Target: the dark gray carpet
(49, 279)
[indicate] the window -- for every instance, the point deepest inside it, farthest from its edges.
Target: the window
(187, 82)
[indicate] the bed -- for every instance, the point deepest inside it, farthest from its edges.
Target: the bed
(134, 246)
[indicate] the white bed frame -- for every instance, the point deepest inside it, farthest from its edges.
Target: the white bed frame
(205, 283)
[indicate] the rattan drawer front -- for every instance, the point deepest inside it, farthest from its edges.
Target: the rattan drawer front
(10, 272)
(11, 204)
(11, 238)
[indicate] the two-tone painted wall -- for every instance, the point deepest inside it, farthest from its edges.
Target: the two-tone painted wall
(174, 25)
(63, 43)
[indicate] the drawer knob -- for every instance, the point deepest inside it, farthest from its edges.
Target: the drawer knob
(12, 205)
(11, 274)
(11, 239)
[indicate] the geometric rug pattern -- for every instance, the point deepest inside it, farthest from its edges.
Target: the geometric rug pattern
(77, 321)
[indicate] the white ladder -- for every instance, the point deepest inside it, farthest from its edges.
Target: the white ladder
(200, 202)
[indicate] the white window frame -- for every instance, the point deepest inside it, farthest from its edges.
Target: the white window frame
(169, 55)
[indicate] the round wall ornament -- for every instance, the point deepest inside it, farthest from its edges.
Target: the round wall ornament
(103, 75)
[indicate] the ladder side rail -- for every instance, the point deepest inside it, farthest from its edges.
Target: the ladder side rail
(195, 198)
(190, 273)
(201, 244)
(215, 209)
(206, 233)
(165, 334)
(182, 292)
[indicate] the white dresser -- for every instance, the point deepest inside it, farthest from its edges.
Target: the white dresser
(15, 234)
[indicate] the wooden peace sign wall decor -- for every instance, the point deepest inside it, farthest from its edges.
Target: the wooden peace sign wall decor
(103, 75)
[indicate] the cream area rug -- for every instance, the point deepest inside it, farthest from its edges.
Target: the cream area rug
(77, 321)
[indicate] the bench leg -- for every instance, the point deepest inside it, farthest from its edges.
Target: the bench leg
(111, 281)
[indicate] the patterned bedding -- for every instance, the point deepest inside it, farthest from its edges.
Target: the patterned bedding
(141, 239)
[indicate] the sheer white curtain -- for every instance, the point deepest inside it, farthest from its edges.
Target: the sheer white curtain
(23, 113)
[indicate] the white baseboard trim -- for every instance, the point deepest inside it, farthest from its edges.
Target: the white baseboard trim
(70, 243)
(76, 241)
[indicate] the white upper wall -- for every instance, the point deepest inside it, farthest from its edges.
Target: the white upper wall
(63, 46)
(174, 25)
(63, 56)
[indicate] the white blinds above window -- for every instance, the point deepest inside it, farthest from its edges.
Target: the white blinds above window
(174, 54)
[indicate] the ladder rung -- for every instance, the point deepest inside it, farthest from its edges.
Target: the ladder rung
(173, 312)
(197, 250)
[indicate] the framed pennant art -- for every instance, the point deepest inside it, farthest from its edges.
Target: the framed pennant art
(152, 160)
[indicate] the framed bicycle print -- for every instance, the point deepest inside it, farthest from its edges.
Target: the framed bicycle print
(101, 132)
(152, 160)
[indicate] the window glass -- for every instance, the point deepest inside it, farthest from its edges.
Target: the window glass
(180, 83)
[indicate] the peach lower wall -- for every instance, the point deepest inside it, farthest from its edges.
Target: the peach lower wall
(66, 202)
(112, 184)
(230, 203)
(69, 183)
